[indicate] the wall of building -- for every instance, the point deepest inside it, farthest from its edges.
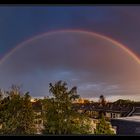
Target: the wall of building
(124, 127)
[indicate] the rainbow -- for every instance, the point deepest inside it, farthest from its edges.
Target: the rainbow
(123, 47)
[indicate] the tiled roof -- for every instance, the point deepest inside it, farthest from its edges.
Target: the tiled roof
(108, 107)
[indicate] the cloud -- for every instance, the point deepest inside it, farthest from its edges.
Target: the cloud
(94, 65)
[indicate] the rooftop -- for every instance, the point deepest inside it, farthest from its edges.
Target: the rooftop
(131, 118)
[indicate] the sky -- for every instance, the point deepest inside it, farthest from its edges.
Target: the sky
(94, 70)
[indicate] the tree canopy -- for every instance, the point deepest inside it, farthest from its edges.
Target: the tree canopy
(61, 117)
(17, 116)
(103, 127)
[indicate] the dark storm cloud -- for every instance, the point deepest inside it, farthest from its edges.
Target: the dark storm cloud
(20, 23)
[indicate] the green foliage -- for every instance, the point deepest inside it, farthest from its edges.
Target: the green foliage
(16, 113)
(26, 123)
(103, 127)
(60, 116)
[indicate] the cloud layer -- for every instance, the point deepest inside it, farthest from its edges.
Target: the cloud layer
(96, 66)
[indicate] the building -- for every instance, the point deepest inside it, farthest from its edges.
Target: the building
(110, 110)
(127, 125)
(37, 107)
(81, 101)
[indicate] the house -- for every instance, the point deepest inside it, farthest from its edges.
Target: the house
(110, 110)
(37, 107)
(127, 125)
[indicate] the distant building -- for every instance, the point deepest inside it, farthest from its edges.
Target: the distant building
(81, 101)
(110, 110)
(33, 100)
(37, 107)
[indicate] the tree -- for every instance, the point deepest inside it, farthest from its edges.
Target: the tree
(102, 100)
(10, 109)
(1, 94)
(26, 124)
(102, 103)
(103, 127)
(60, 116)
(16, 113)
